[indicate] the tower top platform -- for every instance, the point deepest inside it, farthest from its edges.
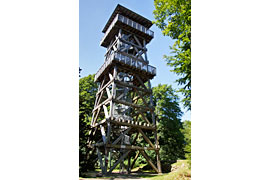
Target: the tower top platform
(129, 14)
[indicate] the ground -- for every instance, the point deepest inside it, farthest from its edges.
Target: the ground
(180, 171)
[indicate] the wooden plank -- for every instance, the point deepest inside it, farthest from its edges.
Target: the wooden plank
(108, 92)
(133, 125)
(119, 160)
(130, 147)
(96, 116)
(97, 124)
(106, 85)
(128, 42)
(113, 95)
(158, 162)
(146, 138)
(103, 103)
(144, 117)
(121, 136)
(138, 55)
(141, 82)
(145, 54)
(133, 105)
(137, 40)
(134, 140)
(106, 111)
(108, 132)
(103, 133)
(100, 161)
(145, 103)
(97, 97)
(110, 75)
(132, 86)
(149, 160)
(136, 157)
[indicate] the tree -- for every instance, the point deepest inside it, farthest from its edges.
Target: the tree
(168, 115)
(173, 17)
(187, 137)
(87, 92)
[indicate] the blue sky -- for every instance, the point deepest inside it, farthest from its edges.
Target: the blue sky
(93, 16)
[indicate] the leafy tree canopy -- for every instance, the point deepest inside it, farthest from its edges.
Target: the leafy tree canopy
(173, 17)
(168, 114)
(87, 92)
(187, 138)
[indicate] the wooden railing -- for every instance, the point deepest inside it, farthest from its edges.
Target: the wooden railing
(129, 22)
(132, 62)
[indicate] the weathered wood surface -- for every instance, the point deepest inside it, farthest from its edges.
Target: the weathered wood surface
(124, 102)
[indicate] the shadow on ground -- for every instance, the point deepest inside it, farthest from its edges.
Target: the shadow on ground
(118, 176)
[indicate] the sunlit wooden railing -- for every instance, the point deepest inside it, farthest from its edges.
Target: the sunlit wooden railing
(132, 62)
(129, 22)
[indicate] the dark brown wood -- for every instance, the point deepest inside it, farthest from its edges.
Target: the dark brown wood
(132, 86)
(133, 125)
(146, 138)
(131, 147)
(149, 161)
(118, 112)
(119, 160)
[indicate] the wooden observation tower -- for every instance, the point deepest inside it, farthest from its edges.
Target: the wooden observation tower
(124, 111)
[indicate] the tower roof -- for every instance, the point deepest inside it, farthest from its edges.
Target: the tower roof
(129, 14)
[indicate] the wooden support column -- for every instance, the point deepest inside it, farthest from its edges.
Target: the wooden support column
(112, 106)
(135, 159)
(119, 160)
(149, 160)
(100, 161)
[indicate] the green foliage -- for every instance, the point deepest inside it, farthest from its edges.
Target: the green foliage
(182, 171)
(187, 134)
(87, 92)
(168, 115)
(173, 17)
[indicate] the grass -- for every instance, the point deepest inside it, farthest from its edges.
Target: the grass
(182, 172)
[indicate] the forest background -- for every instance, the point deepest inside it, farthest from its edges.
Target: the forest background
(39, 89)
(173, 19)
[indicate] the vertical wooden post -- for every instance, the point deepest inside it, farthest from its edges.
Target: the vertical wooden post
(113, 93)
(100, 161)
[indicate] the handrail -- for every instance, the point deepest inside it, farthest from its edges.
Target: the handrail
(129, 22)
(128, 61)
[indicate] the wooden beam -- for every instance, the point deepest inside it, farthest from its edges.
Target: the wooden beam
(106, 85)
(136, 157)
(121, 136)
(128, 42)
(158, 162)
(103, 103)
(108, 132)
(133, 125)
(103, 133)
(137, 40)
(119, 160)
(141, 82)
(123, 84)
(100, 161)
(143, 116)
(149, 160)
(106, 111)
(130, 147)
(108, 92)
(144, 101)
(133, 105)
(146, 138)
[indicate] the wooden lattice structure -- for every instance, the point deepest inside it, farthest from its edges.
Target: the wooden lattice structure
(124, 108)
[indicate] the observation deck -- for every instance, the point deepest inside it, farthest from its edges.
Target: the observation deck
(125, 19)
(127, 61)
